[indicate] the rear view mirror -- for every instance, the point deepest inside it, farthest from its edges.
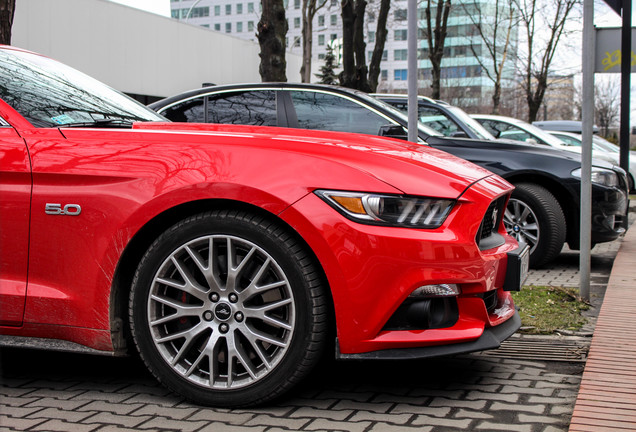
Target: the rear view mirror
(393, 131)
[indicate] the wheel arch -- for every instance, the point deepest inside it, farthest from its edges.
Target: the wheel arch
(568, 205)
(121, 336)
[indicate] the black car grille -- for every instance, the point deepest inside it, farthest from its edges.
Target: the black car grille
(487, 236)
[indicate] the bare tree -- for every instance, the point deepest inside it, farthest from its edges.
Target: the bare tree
(272, 30)
(7, 10)
(544, 24)
(308, 12)
(354, 66)
(495, 30)
(606, 104)
(380, 39)
(436, 37)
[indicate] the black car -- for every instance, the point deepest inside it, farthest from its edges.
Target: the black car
(449, 120)
(543, 211)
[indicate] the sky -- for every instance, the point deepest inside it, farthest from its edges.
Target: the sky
(160, 7)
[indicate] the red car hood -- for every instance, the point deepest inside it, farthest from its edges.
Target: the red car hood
(412, 168)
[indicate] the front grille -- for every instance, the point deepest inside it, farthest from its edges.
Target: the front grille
(487, 236)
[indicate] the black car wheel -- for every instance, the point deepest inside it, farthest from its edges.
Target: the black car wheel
(534, 217)
(228, 309)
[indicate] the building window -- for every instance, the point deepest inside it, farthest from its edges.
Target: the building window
(400, 54)
(385, 55)
(422, 53)
(228, 27)
(400, 35)
(321, 56)
(217, 27)
(250, 7)
(333, 36)
(239, 27)
(321, 40)
(205, 25)
(399, 15)
(250, 26)
(297, 22)
(239, 8)
(371, 36)
(296, 4)
(228, 9)
(174, 13)
(217, 10)
(321, 20)
(200, 12)
(297, 42)
(371, 17)
(400, 74)
(334, 3)
(334, 20)
(384, 75)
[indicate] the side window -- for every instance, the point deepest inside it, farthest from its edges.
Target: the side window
(190, 111)
(334, 113)
(256, 108)
(436, 119)
(506, 131)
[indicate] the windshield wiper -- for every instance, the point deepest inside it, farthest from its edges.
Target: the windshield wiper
(105, 123)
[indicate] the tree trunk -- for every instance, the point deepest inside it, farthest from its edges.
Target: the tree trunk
(307, 32)
(436, 38)
(496, 97)
(7, 11)
(378, 49)
(272, 30)
(348, 62)
(309, 9)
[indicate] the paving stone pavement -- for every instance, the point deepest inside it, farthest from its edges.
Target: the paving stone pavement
(52, 391)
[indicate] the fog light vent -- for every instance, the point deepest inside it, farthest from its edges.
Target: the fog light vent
(440, 290)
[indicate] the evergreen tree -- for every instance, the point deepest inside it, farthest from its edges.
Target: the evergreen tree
(327, 74)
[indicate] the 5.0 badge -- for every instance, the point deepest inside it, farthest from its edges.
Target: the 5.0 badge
(58, 209)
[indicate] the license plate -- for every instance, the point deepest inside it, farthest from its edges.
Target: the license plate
(517, 269)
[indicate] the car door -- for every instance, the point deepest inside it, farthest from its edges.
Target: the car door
(15, 202)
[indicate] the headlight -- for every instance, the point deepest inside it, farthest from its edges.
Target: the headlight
(600, 176)
(390, 210)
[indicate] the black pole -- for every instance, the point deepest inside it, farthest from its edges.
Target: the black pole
(626, 66)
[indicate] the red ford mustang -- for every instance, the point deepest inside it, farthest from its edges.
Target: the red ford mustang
(231, 257)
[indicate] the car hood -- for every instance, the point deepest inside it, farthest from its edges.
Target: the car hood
(410, 168)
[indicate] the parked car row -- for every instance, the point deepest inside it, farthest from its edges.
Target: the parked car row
(232, 257)
(544, 209)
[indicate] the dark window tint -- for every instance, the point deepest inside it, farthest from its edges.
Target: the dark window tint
(257, 108)
(190, 111)
(334, 113)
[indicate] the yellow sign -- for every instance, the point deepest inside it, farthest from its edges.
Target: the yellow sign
(608, 50)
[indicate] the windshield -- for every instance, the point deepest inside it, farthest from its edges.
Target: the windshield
(50, 94)
(540, 134)
(399, 114)
(471, 123)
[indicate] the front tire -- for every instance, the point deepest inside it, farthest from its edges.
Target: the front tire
(534, 217)
(227, 308)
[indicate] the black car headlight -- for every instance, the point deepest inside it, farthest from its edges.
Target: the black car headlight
(389, 210)
(602, 176)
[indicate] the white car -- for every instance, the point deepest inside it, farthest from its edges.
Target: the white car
(601, 146)
(514, 129)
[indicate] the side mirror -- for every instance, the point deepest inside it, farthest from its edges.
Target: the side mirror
(459, 134)
(393, 131)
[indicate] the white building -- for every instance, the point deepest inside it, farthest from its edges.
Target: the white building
(140, 53)
(463, 78)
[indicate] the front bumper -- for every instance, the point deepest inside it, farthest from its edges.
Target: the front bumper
(372, 272)
(491, 338)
